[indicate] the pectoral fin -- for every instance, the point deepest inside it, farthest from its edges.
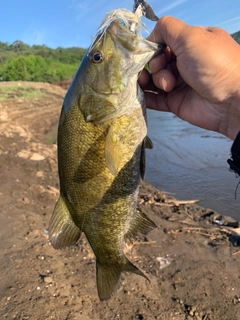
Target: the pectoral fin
(62, 230)
(143, 161)
(148, 143)
(112, 155)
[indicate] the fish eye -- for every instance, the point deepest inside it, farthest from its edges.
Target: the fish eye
(96, 57)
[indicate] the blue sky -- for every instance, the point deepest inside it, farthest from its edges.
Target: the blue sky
(67, 23)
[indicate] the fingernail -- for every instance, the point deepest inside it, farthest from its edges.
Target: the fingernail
(163, 83)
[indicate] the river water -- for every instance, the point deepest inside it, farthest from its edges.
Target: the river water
(191, 163)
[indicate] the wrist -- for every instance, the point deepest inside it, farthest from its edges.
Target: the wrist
(227, 89)
(234, 162)
(233, 117)
(230, 115)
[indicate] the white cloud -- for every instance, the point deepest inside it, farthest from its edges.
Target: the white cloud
(90, 9)
(170, 6)
(228, 21)
(231, 25)
(96, 10)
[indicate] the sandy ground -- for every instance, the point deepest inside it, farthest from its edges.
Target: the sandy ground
(192, 261)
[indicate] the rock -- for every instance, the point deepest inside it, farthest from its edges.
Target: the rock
(3, 116)
(40, 174)
(48, 280)
(26, 200)
(25, 154)
(52, 190)
(37, 157)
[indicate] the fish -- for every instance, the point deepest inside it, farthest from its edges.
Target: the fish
(101, 150)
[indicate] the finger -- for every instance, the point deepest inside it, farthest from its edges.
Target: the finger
(168, 30)
(165, 80)
(146, 82)
(157, 101)
(172, 67)
(160, 61)
(170, 56)
(157, 63)
(144, 78)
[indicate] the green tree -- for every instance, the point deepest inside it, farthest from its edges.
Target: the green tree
(30, 68)
(19, 61)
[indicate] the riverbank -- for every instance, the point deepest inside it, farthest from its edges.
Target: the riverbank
(192, 259)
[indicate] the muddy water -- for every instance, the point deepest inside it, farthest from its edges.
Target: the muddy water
(191, 163)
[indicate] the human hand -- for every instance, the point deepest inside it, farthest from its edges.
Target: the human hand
(197, 77)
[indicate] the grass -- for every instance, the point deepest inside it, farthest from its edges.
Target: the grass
(22, 92)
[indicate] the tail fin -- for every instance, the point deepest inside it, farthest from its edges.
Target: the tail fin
(108, 278)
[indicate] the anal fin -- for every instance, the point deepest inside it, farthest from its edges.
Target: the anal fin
(62, 230)
(148, 143)
(142, 161)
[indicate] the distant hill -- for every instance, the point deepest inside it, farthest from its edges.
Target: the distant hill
(236, 36)
(19, 61)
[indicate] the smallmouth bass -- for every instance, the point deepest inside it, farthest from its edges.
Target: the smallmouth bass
(101, 141)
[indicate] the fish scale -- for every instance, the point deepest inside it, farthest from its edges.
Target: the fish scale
(101, 140)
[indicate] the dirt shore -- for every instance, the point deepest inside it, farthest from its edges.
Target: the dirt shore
(192, 259)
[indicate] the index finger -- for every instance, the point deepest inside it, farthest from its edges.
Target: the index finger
(168, 30)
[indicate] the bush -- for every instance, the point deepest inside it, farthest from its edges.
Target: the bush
(30, 68)
(19, 61)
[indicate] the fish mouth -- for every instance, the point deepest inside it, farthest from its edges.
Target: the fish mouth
(110, 93)
(133, 43)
